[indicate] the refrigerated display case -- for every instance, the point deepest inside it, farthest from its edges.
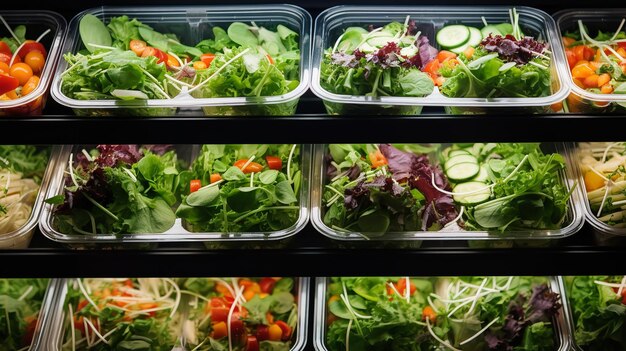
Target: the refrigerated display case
(312, 254)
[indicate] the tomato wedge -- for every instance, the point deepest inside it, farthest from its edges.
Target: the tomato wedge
(207, 58)
(274, 162)
(251, 167)
(252, 344)
(150, 51)
(8, 83)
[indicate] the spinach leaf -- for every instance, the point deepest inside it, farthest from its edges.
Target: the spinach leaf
(93, 31)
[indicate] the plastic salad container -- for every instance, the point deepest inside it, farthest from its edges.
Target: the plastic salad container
(453, 313)
(598, 161)
(385, 192)
(171, 213)
(27, 95)
(27, 318)
(24, 177)
(384, 99)
(193, 311)
(595, 307)
(246, 60)
(606, 94)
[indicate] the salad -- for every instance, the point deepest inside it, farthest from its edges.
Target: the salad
(20, 303)
(378, 61)
(497, 60)
(21, 64)
(602, 166)
(598, 305)
(446, 313)
(597, 64)
(129, 60)
(235, 188)
(118, 189)
(21, 171)
(159, 314)
(506, 186)
(374, 189)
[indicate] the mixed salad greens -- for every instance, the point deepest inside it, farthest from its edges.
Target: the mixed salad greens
(597, 64)
(21, 64)
(119, 189)
(235, 188)
(497, 60)
(129, 60)
(446, 313)
(603, 168)
(21, 170)
(201, 314)
(598, 305)
(20, 303)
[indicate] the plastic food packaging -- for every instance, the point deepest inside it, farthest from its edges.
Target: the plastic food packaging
(180, 231)
(193, 24)
(331, 23)
(37, 22)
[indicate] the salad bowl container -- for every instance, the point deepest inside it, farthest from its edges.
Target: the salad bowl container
(581, 98)
(572, 222)
(397, 330)
(20, 238)
(193, 24)
(36, 22)
(331, 23)
(300, 290)
(180, 231)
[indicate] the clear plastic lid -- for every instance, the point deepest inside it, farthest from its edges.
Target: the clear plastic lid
(179, 232)
(57, 323)
(606, 20)
(330, 24)
(573, 221)
(322, 313)
(37, 22)
(193, 24)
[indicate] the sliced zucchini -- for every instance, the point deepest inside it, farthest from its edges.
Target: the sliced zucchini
(453, 35)
(476, 149)
(462, 171)
(458, 152)
(490, 29)
(474, 198)
(483, 174)
(459, 159)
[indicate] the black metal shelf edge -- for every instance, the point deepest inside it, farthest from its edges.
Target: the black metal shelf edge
(61, 129)
(310, 254)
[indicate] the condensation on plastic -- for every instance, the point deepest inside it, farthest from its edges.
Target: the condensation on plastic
(20, 238)
(573, 220)
(36, 22)
(178, 232)
(192, 24)
(54, 327)
(561, 325)
(330, 24)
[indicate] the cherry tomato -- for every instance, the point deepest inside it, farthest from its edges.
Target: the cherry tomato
(198, 65)
(267, 284)
(251, 167)
(4, 67)
(262, 332)
(8, 84)
(5, 58)
(172, 61)
(252, 344)
(22, 72)
(137, 46)
(207, 58)
(275, 332)
(194, 185)
(35, 60)
(5, 49)
(30, 85)
(219, 330)
(274, 162)
(219, 314)
(215, 177)
(29, 46)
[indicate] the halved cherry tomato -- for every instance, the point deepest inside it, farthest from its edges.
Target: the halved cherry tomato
(251, 167)
(274, 162)
(215, 177)
(31, 45)
(172, 61)
(137, 46)
(35, 60)
(30, 85)
(5, 49)
(4, 67)
(207, 58)
(286, 330)
(8, 83)
(21, 71)
(445, 55)
(252, 344)
(194, 185)
(267, 284)
(150, 51)
(198, 65)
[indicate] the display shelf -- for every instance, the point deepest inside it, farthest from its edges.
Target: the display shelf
(309, 253)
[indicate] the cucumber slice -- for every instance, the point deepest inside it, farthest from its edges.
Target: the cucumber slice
(379, 42)
(460, 159)
(475, 38)
(476, 149)
(367, 48)
(453, 35)
(490, 29)
(483, 174)
(462, 171)
(474, 198)
(458, 152)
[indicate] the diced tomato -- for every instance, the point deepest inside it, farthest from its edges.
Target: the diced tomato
(571, 58)
(274, 162)
(31, 45)
(262, 332)
(444, 55)
(8, 83)
(286, 330)
(220, 330)
(275, 332)
(432, 68)
(267, 284)
(251, 167)
(591, 81)
(582, 71)
(606, 89)
(5, 49)
(236, 325)
(194, 185)
(215, 177)
(469, 52)
(207, 58)
(252, 344)
(429, 313)
(603, 79)
(401, 286)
